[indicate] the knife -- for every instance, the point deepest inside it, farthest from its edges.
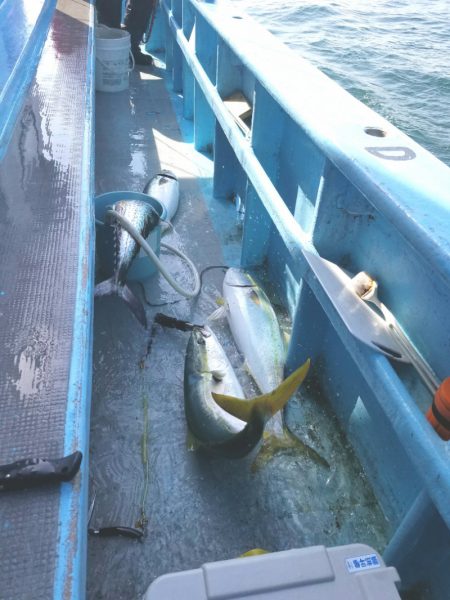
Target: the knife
(31, 472)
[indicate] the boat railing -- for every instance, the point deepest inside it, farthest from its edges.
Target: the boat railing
(321, 172)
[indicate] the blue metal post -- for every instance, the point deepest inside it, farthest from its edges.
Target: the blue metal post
(204, 119)
(229, 177)
(257, 227)
(266, 133)
(229, 71)
(177, 69)
(177, 11)
(204, 122)
(308, 329)
(420, 544)
(169, 45)
(176, 56)
(186, 18)
(268, 125)
(187, 22)
(188, 91)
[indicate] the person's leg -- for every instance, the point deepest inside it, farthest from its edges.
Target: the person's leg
(136, 21)
(109, 12)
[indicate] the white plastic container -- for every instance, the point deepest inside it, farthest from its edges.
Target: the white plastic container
(112, 59)
(353, 572)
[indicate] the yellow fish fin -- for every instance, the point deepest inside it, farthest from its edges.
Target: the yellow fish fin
(254, 552)
(268, 404)
(287, 443)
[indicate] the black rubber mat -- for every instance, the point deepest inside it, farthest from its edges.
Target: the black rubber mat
(44, 186)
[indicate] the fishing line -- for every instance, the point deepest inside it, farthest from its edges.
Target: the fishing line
(224, 267)
(156, 304)
(170, 302)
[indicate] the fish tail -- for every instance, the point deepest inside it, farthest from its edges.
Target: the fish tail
(287, 443)
(241, 443)
(110, 287)
(106, 288)
(134, 303)
(267, 404)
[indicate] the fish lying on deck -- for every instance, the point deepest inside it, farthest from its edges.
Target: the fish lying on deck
(257, 334)
(255, 328)
(144, 218)
(208, 372)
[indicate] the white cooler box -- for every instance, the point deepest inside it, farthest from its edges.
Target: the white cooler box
(353, 572)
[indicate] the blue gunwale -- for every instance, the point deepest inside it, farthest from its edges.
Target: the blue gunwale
(70, 572)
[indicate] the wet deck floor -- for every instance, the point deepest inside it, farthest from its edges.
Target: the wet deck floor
(198, 508)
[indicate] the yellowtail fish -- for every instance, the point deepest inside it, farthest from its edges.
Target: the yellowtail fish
(254, 326)
(208, 374)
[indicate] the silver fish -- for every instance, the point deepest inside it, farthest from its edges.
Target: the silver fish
(164, 187)
(144, 218)
(255, 330)
(210, 383)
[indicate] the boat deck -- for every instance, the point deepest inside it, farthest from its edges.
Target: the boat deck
(198, 508)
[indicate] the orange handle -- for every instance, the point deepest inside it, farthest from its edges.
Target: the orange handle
(439, 412)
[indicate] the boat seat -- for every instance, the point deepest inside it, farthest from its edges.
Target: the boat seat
(46, 267)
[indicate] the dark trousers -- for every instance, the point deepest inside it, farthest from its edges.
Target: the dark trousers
(109, 12)
(136, 18)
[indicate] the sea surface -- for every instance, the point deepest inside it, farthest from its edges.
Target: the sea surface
(393, 55)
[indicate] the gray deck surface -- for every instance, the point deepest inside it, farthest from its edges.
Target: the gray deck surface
(40, 197)
(199, 508)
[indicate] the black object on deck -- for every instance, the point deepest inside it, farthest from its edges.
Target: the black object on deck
(31, 472)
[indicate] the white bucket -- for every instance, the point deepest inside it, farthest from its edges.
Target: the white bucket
(112, 59)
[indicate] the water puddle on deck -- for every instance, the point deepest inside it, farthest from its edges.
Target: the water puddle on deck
(201, 508)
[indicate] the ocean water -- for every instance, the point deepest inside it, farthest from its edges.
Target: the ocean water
(393, 55)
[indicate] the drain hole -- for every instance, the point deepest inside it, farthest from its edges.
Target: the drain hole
(236, 17)
(375, 131)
